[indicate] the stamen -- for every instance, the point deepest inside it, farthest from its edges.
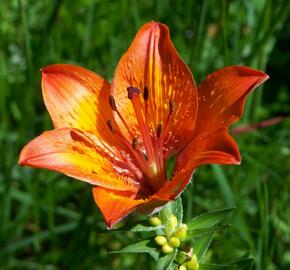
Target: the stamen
(135, 143)
(132, 91)
(159, 130)
(114, 108)
(146, 93)
(146, 97)
(112, 103)
(110, 125)
(162, 132)
(171, 106)
(136, 155)
(133, 94)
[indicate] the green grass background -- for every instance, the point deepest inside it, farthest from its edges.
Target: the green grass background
(48, 221)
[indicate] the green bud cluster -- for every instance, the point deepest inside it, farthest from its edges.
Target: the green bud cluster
(169, 242)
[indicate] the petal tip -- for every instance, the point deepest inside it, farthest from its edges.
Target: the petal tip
(155, 26)
(23, 160)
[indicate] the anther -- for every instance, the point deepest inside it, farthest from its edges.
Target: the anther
(112, 103)
(146, 93)
(131, 91)
(110, 125)
(159, 130)
(135, 143)
(171, 106)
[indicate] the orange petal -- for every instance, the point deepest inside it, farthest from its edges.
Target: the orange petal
(153, 62)
(221, 103)
(222, 95)
(114, 206)
(75, 154)
(217, 147)
(78, 98)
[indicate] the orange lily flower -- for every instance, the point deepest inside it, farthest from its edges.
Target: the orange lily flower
(119, 137)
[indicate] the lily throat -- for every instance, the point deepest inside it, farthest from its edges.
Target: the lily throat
(147, 148)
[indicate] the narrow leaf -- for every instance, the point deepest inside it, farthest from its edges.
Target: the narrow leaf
(209, 219)
(246, 263)
(142, 228)
(205, 231)
(217, 267)
(140, 247)
(166, 262)
(201, 246)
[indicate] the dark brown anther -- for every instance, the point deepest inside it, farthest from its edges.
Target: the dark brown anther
(131, 91)
(146, 93)
(135, 143)
(171, 106)
(159, 130)
(110, 125)
(112, 103)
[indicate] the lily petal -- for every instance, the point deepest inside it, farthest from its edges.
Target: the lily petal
(217, 147)
(221, 103)
(116, 205)
(75, 154)
(222, 95)
(78, 98)
(113, 205)
(153, 62)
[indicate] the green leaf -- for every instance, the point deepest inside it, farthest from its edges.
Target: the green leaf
(217, 267)
(205, 231)
(166, 262)
(142, 228)
(140, 247)
(177, 209)
(201, 246)
(246, 263)
(173, 207)
(209, 219)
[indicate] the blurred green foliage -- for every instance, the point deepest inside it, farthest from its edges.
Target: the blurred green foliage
(50, 222)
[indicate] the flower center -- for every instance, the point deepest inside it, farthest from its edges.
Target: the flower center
(147, 153)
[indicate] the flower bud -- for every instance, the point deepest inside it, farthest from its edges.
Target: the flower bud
(174, 241)
(173, 220)
(166, 248)
(154, 221)
(181, 231)
(193, 263)
(160, 240)
(182, 267)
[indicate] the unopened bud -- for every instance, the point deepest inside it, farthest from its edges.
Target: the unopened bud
(182, 267)
(174, 242)
(160, 240)
(166, 248)
(155, 221)
(173, 220)
(193, 263)
(181, 231)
